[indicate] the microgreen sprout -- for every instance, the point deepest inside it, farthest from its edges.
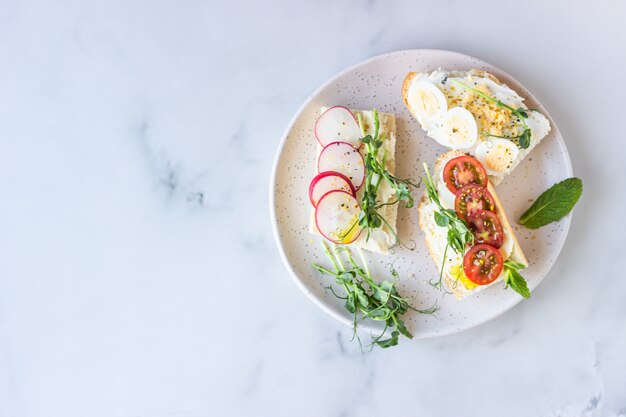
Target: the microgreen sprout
(523, 139)
(377, 172)
(365, 298)
(459, 235)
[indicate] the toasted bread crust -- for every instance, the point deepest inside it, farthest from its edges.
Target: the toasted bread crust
(517, 254)
(482, 73)
(427, 223)
(406, 85)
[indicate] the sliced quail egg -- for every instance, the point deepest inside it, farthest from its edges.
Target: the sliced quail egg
(497, 155)
(457, 129)
(427, 100)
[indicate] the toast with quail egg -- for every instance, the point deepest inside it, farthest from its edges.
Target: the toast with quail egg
(474, 112)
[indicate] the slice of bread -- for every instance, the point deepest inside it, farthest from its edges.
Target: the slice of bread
(381, 239)
(436, 236)
(537, 122)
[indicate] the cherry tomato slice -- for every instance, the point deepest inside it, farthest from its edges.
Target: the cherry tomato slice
(482, 264)
(486, 227)
(471, 198)
(464, 170)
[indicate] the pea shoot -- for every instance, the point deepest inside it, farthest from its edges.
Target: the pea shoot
(375, 173)
(459, 235)
(365, 298)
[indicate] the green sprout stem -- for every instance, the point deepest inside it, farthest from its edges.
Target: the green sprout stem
(376, 174)
(458, 236)
(368, 299)
(486, 96)
(521, 113)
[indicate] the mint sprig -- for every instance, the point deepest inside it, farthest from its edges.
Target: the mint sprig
(514, 279)
(553, 204)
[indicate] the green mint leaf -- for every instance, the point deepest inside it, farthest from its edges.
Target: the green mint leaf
(555, 203)
(517, 282)
(514, 265)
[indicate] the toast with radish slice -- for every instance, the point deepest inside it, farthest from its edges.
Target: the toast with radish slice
(338, 183)
(453, 264)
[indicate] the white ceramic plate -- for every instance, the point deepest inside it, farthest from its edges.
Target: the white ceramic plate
(377, 83)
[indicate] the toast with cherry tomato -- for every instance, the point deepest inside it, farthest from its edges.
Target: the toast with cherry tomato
(467, 231)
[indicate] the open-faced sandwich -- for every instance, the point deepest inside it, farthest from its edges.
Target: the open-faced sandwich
(474, 112)
(354, 193)
(467, 230)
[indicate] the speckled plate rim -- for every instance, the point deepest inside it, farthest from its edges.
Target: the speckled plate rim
(362, 326)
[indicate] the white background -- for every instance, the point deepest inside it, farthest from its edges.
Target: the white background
(138, 272)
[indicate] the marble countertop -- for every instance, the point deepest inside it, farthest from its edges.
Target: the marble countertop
(138, 272)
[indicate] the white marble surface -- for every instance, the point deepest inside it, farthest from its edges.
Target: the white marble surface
(138, 273)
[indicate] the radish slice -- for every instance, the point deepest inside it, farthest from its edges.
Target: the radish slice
(328, 181)
(337, 124)
(343, 158)
(337, 215)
